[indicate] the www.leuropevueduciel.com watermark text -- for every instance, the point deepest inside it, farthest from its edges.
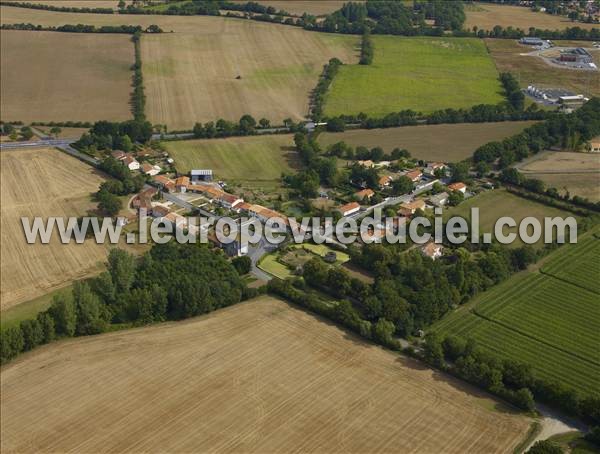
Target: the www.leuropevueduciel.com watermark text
(275, 230)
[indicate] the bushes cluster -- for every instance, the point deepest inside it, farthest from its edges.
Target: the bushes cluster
(106, 135)
(512, 91)
(171, 282)
(318, 95)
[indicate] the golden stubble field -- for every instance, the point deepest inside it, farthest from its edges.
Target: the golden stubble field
(487, 16)
(257, 377)
(43, 182)
(49, 76)
(230, 67)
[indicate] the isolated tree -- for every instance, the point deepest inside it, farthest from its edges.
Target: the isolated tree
(55, 131)
(26, 133)
(264, 123)
(402, 185)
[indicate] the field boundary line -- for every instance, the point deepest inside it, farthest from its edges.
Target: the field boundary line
(532, 337)
(562, 279)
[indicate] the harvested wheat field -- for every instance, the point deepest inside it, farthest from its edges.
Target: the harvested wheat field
(43, 182)
(577, 173)
(487, 16)
(447, 143)
(231, 67)
(49, 76)
(257, 377)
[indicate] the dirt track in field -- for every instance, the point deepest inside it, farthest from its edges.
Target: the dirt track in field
(43, 182)
(194, 76)
(49, 76)
(258, 377)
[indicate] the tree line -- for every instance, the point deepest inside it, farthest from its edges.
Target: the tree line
(138, 98)
(330, 70)
(170, 282)
(80, 28)
(366, 48)
(61, 9)
(246, 126)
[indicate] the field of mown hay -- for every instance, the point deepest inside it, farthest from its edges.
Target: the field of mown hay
(447, 143)
(194, 77)
(577, 173)
(81, 3)
(487, 16)
(260, 376)
(43, 182)
(257, 160)
(49, 76)
(423, 74)
(531, 70)
(548, 319)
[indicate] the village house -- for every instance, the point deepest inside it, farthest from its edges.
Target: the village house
(364, 194)
(131, 163)
(385, 181)
(432, 250)
(143, 201)
(349, 208)
(409, 208)
(414, 175)
(242, 206)
(182, 183)
(595, 145)
(264, 214)
(149, 169)
(432, 167)
(439, 200)
(461, 187)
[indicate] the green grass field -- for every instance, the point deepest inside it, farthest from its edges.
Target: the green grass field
(257, 161)
(498, 203)
(535, 318)
(422, 74)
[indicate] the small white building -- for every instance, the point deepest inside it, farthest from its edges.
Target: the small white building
(439, 200)
(131, 163)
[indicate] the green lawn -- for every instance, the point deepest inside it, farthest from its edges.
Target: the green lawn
(29, 309)
(322, 249)
(423, 74)
(270, 264)
(499, 203)
(259, 160)
(535, 318)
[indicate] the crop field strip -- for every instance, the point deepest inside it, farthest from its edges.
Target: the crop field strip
(578, 265)
(552, 323)
(334, 392)
(423, 74)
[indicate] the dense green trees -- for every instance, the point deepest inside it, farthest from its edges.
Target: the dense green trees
(222, 128)
(242, 265)
(366, 48)
(318, 95)
(172, 281)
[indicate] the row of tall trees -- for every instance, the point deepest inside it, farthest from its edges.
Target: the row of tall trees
(366, 48)
(171, 282)
(80, 28)
(318, 95)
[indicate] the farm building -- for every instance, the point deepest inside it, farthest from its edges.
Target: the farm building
(349, 208)
(264, 214)
(201, 175)
(595, 145)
